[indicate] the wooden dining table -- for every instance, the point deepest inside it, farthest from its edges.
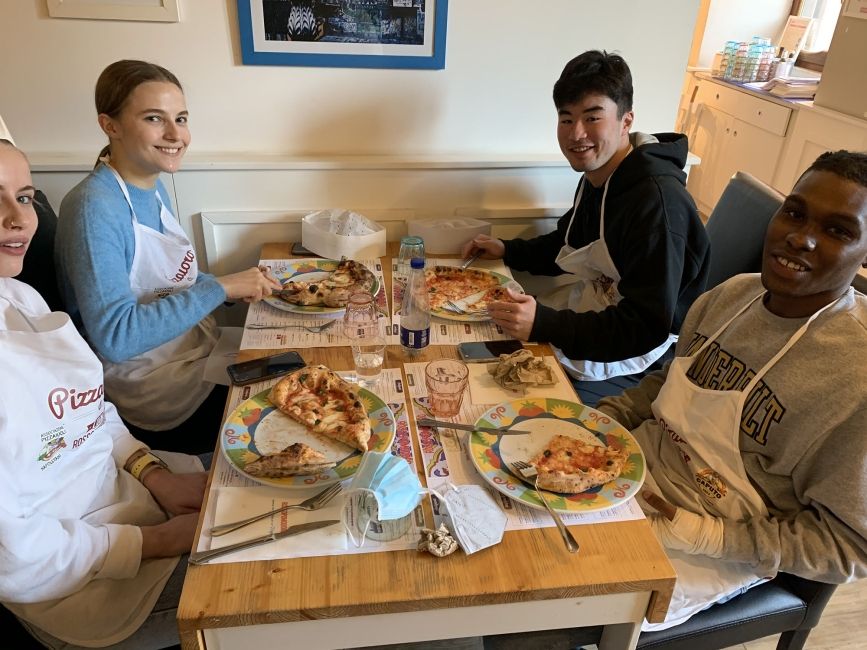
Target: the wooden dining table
(526, 582)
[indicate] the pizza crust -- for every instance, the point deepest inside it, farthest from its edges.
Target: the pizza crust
(296, 459)
(349, 277)
(324, 403)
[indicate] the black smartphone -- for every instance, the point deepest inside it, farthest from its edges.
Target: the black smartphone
(247, 372)
(477, 351)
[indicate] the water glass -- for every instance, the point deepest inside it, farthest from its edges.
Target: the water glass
(361, 317)
(368, 353)
(409, 247)
(446, 380)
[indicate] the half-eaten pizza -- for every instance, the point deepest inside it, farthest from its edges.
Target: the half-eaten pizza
(325, 403)
(450, 283)
(333, 291)
(570, 465)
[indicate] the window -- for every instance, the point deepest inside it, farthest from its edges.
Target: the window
(824, 14)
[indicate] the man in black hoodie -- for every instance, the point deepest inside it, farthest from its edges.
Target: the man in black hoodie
(633, 238)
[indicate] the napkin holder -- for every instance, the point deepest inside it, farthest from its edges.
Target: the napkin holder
(334, 234)
(448, 234)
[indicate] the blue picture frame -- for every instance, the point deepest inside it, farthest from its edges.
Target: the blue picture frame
(258, 49)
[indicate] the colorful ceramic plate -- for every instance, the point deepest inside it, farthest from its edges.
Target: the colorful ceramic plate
(309, 271)
(544, 418)
(468, 300)
(256, 428)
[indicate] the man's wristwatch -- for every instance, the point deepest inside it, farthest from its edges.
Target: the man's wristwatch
(143, 462)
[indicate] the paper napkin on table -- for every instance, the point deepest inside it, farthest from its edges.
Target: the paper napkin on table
(234, 503)
(484, 390)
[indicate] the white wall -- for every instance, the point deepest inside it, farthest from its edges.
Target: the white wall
(740, 20)
(494, 97)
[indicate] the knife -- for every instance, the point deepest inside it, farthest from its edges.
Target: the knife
(428, 422)
(204, 557)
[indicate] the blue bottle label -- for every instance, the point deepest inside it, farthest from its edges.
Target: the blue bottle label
(416, 339)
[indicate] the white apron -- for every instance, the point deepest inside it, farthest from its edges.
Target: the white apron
(159, 389)
(594, 289)
(62, 463)
(697, 465)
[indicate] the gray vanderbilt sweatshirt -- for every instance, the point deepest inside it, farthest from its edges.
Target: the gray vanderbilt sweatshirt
(803, 435)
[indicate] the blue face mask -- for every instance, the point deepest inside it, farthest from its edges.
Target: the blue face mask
(391, 480)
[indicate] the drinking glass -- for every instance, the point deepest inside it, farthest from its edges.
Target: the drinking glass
(368, 353)
(446, 380)
(409, 247)
(361, 317)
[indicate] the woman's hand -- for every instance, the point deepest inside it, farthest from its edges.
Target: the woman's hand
(492, 248)
(251, 285)
(169, 539)
(177, 494)
(516, 318)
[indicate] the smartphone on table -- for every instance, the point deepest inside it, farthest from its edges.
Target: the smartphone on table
(479, 351)
(247, 372)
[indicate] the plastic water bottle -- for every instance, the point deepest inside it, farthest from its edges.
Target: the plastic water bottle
(415, 310)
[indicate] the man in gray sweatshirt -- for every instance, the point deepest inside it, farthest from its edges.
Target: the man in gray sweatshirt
(755, 433)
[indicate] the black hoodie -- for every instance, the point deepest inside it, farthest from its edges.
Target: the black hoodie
(656, 241)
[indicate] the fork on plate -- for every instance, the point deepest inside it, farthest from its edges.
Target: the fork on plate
(315, 329)
(456, 308)
(527, 473)
(313, 503)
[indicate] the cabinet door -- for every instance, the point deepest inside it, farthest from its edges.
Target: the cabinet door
(748, 149)
(707, 139)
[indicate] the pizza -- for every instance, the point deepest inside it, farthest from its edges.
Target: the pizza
(570, 465)
(494, 294)
(296, 459)
(324, 403)
(446, 283)
(349, 277)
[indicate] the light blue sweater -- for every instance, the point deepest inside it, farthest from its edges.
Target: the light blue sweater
(94, 252)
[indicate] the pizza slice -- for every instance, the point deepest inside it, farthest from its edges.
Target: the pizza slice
(494, 294)
(570, 465)
(333, 291)
(447, 283)
(323, 402)
(296, 459)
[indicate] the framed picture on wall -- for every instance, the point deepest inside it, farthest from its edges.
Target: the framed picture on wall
(344, 33)
(152, 10)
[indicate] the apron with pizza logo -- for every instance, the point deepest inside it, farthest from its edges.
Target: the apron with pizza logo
(160, 388)
(594, 289)
(61, 463)
(697, 465)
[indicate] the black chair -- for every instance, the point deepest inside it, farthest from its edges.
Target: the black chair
(788, 605)
(39, 270)
(736, 227)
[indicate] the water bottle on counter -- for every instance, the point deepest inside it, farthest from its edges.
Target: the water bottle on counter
(415, 310)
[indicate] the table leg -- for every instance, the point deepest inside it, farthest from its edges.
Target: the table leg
(620, 636)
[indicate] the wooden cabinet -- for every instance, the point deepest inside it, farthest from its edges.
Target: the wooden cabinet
(731, 130)
(817, 130)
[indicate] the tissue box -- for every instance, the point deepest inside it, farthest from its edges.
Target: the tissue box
(341, 233)
(447, 235)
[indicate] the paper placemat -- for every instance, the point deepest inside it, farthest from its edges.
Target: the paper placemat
(485, 391)
(232, 493)
(446, 459)
(443, 331)
(261, 313)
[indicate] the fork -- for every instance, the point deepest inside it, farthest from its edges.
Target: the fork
(453, 306)
(524, 472)
(315, 329)
(313, 503)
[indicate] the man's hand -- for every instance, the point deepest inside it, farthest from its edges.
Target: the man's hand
(685, 531)
(516, 318)
(177, 493)
(492, 248)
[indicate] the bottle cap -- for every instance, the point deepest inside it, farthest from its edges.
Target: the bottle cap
(417, 263)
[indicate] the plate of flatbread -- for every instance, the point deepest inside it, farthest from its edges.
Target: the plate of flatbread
(470, 289)
(586, 461)
(310, 428)
(319, 286)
